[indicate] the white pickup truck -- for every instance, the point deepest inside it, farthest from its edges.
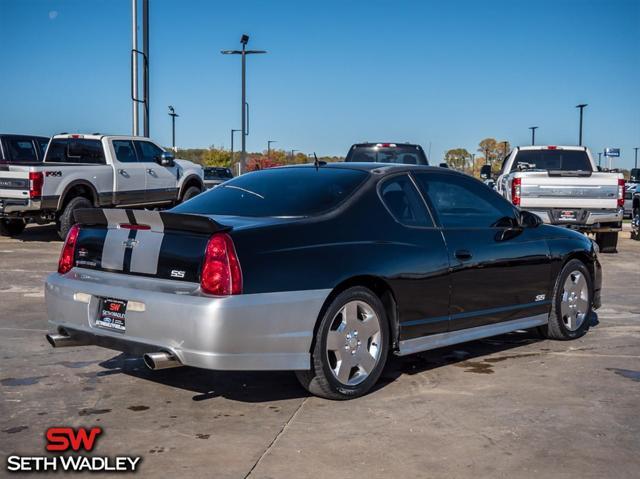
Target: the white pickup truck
(562, 185)
(84, 171)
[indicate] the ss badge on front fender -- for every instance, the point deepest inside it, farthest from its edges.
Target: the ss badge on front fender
(541, 297)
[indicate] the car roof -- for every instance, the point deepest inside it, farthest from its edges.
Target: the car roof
(374, 143)
(14, 135)
(379, 168)
(557, 147)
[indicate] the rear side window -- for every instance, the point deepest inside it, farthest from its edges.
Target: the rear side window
(462, 202)
(20, 150)
(292, 191)
(42, 144)
(124, 151)
(75, 150)
(403, 201)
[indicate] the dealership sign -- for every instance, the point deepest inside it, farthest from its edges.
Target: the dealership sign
(65, 440)
(612, 152)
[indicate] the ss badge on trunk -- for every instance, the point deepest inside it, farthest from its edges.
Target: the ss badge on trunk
(176, 273)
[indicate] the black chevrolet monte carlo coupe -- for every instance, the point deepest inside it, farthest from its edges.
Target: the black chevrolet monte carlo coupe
(324, 270)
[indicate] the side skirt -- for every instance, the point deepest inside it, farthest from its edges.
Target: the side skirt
(440, 340)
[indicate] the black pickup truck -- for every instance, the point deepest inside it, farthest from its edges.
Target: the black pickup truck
(22, 148)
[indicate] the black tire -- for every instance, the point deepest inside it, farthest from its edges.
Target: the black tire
(557, 328)
(607, 242)
(320, 380)
(635, 224)
(10, 227)
(190, 193)
(66, 219)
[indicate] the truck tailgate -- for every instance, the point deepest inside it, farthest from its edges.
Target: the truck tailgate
(14, 184)
(598, 191)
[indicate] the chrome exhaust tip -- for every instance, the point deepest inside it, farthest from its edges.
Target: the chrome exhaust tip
(64, 340)
(161, 360)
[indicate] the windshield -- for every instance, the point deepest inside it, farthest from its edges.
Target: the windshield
(213, 173)
(299, 191)
(553, 160)
(404, 154)
(72, 150)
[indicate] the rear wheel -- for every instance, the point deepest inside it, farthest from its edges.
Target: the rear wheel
(66, 220)
(350, 346)
(635, 224)
(190, 193)
(608, 242)
(10, 227)
(572, 301)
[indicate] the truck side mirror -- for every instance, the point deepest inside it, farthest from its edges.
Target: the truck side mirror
(443, 165)
(485, 172)
(634, 176)
(165, 159)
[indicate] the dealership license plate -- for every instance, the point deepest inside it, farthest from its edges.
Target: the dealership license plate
(112, 314)
(568, 215)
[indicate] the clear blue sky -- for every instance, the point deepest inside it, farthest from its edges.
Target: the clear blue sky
(445, 73)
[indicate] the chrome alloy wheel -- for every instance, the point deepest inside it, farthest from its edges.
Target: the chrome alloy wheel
(574, 303)
(353, 343)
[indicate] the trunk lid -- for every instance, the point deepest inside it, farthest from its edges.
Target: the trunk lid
(14, 182)
(544, 189)
(154, 244)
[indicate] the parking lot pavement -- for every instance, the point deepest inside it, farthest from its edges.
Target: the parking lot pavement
(513, 406)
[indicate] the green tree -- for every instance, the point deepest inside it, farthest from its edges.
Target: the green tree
(457, 158)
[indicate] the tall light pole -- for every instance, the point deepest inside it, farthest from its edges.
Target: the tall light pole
(292, 152)
(504, 145)
(473, 164)
(269, 147)
(232, 133)
(599, 158)
(533, 134)
(244, 52)
(581, 106)
(173, 115)
(635, 165)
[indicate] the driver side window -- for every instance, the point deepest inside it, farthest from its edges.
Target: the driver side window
(462, 202)
(147, 152)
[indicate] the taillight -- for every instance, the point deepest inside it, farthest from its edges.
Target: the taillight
(621, 188)
(68, 250)
(516, 185)
(221, 273)
(36, 180)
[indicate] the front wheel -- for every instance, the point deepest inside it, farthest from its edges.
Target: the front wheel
(572, 303)
(350, 346)
(190, 193)
(10, 227)
(635, 224)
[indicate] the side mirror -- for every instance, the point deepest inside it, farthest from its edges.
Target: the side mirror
(485, 172)
(165, 159)
(634, 176)
(529, 219)
(443, 165)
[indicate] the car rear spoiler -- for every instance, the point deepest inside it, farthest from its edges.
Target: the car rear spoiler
(157, 221)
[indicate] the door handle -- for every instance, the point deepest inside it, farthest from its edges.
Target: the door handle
(463, 254)
(151, 171)
(123, 173)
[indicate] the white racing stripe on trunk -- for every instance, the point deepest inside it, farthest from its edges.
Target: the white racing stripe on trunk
(145, 256)
(150, 218)
(114, 248)
(116, 217)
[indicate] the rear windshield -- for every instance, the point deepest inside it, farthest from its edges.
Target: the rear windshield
(404, 154)
(278, 192)
(75, 150)
(20, 150)
(553, 160)
(214, 173)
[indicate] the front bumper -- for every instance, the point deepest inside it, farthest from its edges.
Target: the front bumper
(587, 220)
(268, 331)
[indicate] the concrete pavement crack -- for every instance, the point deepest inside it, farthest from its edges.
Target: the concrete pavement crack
(275, 439)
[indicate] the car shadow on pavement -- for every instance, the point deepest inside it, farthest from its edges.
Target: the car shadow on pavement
(250, 386)
(263, 386)
(39, 233)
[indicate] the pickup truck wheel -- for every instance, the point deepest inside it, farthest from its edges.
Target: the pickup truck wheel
(190, 193)
(66, 220)
(635, 224)
(10, 227)
(607, 242)
(571, 307)
(350, 346)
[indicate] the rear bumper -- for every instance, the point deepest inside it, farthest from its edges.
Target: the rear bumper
(269, 331)
(591, 220)
(18, 206)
